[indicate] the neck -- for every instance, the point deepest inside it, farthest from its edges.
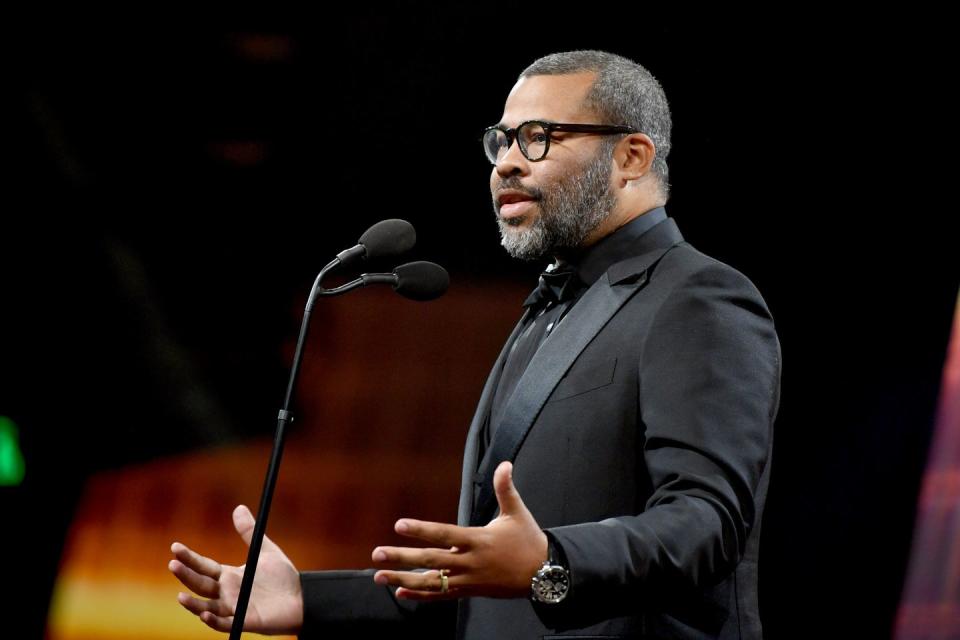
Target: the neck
(618, 217)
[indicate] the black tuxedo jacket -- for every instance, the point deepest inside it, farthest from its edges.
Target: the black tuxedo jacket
(642, 432)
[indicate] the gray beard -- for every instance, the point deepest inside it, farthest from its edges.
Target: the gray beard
(569, 211)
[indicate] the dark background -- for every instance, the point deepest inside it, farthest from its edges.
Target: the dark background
(187, 184)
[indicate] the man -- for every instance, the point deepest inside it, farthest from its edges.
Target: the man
(616, 468)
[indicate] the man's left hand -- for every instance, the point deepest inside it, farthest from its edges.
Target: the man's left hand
(495, 561)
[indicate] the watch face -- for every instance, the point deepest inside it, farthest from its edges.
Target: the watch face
(551, 584)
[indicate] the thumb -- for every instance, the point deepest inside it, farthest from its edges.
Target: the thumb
(507, 495)
(244, 522)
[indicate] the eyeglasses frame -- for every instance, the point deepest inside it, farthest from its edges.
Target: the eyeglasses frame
(550, 127)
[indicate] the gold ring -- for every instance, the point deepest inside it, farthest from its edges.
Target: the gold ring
(443, 581)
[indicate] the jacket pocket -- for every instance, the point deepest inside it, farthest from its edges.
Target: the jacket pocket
(593, 377)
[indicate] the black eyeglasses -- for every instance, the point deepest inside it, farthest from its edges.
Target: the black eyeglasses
(534, 137)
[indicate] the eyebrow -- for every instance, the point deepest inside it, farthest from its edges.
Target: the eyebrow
(501, 124)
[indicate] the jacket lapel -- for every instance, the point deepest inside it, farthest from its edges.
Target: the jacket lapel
(551, 362)
(473, 435)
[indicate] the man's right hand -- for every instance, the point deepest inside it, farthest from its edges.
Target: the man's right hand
(276, 602)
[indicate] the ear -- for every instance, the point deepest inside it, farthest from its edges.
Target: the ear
(633, 157)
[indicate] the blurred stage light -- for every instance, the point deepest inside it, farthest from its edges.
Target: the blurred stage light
(12, 467)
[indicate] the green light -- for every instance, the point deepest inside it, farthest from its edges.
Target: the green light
(12, 467)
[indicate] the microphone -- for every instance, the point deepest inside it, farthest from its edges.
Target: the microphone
(384, 239)
(415, 280)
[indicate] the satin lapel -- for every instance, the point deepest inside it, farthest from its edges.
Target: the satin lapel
(473, 435)
(553, 358)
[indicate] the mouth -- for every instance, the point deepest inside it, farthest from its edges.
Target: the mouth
(515, 209)
(514, 204)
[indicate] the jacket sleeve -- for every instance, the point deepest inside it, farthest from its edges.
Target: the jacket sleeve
(350, 604)
(709, 388)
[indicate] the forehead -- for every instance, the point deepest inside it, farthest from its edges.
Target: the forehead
(557, 98)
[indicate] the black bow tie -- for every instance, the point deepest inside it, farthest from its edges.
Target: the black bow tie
(555, 286)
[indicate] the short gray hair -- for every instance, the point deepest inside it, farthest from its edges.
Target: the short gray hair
(622, 93)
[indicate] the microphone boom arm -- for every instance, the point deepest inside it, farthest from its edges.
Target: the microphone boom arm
(411, 287)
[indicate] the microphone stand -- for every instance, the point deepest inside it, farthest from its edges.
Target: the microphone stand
(284, 418)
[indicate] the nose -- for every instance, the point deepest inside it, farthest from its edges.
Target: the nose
(512, 161)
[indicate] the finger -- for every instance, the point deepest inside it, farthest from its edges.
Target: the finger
(416, 580)
(199, 584)
(218, 623)
(507, 495)
(198, 606)
(200, 564)
(401, 557)
(413, 594)
(445, 535)
(244, 523)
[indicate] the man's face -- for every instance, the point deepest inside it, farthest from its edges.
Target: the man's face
(550, 206)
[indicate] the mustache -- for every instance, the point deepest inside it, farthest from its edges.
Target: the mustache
(516, 186)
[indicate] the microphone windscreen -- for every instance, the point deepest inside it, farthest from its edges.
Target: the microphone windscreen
(421, 280)
(388, 238)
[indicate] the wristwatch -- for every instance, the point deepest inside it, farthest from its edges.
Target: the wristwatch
(552, 581)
